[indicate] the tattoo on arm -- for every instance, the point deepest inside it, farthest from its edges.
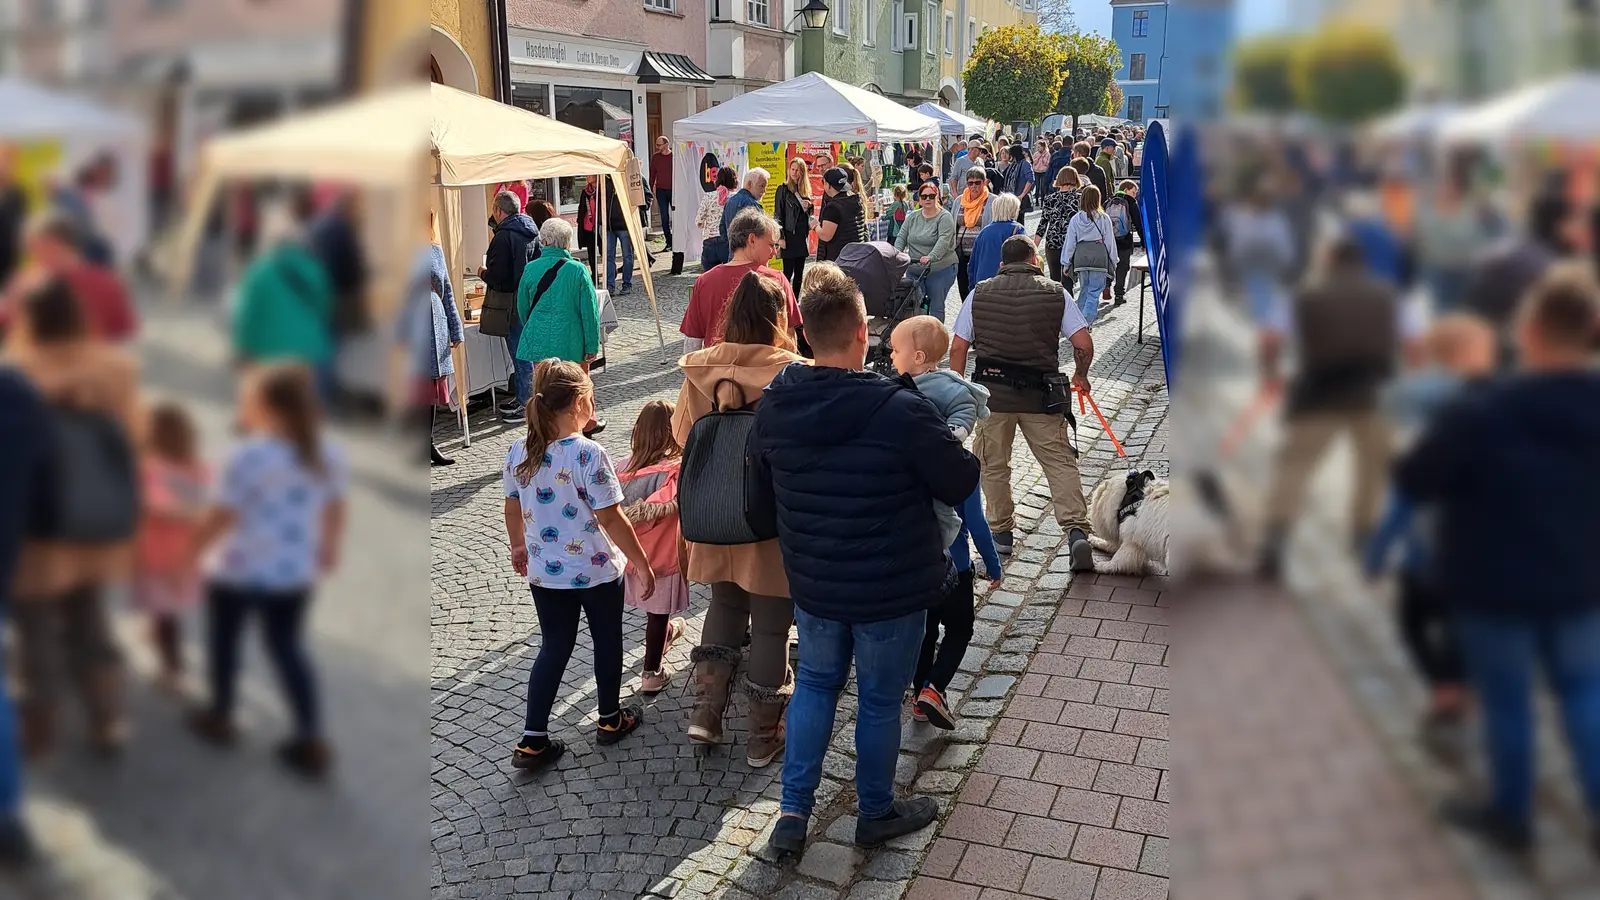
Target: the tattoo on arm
(1081, 358)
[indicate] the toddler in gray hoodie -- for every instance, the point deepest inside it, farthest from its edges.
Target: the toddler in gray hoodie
(917, 347)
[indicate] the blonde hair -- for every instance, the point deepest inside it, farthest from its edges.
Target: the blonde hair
(926, 333)
(802, 185)
(557, 385)
(1090, 201)
(900, 192)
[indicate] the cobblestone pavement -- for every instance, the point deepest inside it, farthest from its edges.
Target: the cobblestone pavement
(656, 817)
(177, 819)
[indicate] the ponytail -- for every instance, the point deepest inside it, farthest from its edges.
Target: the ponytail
(286, 392)
(556, 386)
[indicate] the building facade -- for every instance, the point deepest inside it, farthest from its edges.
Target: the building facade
(749, 45)
(961, 23)
(1174, 57)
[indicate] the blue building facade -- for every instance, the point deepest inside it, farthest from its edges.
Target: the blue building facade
(1174, 57)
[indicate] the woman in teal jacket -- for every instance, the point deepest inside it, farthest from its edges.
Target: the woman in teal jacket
(564, 323)
(284, 309)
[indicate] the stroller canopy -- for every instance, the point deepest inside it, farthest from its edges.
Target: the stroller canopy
(877, 268)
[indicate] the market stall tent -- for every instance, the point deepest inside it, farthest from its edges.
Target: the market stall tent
(809, 107)
(1413, 122)
(952, 122)
(1564, 109)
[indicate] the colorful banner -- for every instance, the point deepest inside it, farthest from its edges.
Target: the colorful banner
(773, 158)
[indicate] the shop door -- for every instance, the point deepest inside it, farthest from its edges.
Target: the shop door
(652, 112)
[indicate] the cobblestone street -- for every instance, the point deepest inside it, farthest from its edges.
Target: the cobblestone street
(1059, 756)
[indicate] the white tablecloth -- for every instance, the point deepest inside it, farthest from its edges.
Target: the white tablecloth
(488, 361)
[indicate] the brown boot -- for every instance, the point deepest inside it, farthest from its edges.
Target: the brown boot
(103, 696)
(713, 671)
(767, 729)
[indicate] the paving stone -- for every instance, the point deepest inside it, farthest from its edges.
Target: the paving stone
(877, 890)
(833, 863)
(992, 687)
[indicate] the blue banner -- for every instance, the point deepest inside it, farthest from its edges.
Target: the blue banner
(1170, 203)
(1154, 200)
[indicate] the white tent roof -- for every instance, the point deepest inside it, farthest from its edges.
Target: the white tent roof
(1414, 121)
(28, 111)
(950, 121)
(809, 107)
(1567, 108)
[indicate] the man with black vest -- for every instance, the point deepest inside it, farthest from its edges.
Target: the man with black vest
(1013, 323)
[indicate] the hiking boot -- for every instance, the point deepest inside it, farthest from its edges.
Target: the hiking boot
(713, 670)
(906, 817)
(1484, 821)
(1002, 543)
(789, 835)
(934, 709)
(308, 756)
(767, 731)
(1082, 553)
(653, 683)
(614, 728)
(531, 754)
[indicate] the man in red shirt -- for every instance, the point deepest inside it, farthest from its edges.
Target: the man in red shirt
(753, 238)
(661, 184)
(52, 250)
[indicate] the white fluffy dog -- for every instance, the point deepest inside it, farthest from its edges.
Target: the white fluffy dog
(1130, 518)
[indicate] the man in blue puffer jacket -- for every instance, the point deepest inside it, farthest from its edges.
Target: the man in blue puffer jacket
(855, 462)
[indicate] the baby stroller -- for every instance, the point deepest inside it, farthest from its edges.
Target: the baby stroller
(880, 271)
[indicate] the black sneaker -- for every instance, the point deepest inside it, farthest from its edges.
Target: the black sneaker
(1489, 824)
(624, 723)
(16, 845)
(1002, 543)
(789, 835)
(514, 416)
(1082, 553)
(529, 756)
(510, 404)
(908, 816)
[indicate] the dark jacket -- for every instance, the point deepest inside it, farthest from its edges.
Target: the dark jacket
(1347, 334)
(25, 463)
(1058, 160)
(856, 462)
(1515, 458)
(738, 202)
(508, 253)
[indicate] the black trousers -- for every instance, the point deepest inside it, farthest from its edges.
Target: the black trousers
(939, 660)
(1428, 631)
(795, 268)
(963, 285)
(1124, 256)
(558, 611)
(283, 613)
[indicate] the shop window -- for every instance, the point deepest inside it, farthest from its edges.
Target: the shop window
(593, 109)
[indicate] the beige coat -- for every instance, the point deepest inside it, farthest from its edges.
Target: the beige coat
(99, 377)
(758, 568)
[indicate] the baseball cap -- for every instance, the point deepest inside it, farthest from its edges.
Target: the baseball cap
(837, 179)
(1108, 142)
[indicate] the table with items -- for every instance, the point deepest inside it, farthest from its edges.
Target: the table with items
(488, 359)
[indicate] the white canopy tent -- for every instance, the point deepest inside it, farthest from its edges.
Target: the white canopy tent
(809, 107)
(1564, 109)
(1413, 122)
(952, 122)
(380, 142)
(84, 131)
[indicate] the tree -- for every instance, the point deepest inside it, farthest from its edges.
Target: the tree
(1055, 16)
(1261, 74)
(1092, 63)
(1113, 100)
(1014, 74)
(1348, 72)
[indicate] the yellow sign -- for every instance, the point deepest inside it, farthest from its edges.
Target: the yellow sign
(772, 157)
(35, 162)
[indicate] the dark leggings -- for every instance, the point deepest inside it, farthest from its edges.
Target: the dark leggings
(283, 615)
(939, 660)
(558, 611)
(1427, 630)
(655, 638)
(1056, 274)
(167, 632)
(962, 285)
(795, 268)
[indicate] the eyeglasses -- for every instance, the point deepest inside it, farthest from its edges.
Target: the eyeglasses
(929, 196)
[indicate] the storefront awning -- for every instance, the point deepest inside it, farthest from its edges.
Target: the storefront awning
(671, 68)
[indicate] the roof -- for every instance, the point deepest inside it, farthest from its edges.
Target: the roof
(808, 107)
(670, 68)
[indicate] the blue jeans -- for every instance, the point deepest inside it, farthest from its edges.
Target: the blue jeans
(885, 654)
(521, 369)
(612, 239)
(1500, 654)
(1090, 284)
(937, 289)
(283, 614)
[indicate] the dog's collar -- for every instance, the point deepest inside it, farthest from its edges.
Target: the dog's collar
(1133, 496)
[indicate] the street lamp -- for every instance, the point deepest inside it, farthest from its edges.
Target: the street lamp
(815, 14)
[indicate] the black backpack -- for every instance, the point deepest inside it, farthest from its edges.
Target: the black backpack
(89, 493)
(720, 501)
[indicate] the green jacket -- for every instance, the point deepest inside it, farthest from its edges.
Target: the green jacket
(285, 308)
(566, 323)
(1104, 161)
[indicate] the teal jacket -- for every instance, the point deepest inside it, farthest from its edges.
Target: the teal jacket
(285, 308)
(566, 323)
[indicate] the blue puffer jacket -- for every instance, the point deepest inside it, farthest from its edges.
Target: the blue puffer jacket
(856, 462)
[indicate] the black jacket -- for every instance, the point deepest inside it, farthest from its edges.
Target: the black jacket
(856, 462)
(1513, 461)
(508, 253)
(794, 223)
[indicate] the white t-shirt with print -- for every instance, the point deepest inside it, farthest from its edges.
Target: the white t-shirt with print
(567, 548)
(277, 503)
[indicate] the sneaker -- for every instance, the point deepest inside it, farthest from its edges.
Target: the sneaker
(931, 704)
(529, 757)
(1002, 543)
(652, 683)
(626, 290)
(907, 816)
(514, 416)
(675, 629)
(510, 403)
(1082, 553)
(1489, 824)
(308, 756)
(627, 720)
(1120, 301)
(789, 835)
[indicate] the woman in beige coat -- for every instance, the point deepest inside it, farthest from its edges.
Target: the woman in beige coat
(59, 609)
(749, 588)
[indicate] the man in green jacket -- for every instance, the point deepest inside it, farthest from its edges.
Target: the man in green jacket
(1105, 161)
(564, 320)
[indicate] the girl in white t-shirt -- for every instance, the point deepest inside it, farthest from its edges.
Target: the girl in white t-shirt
(564, 519)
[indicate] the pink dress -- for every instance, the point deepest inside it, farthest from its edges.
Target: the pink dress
(659, 537)
(166, 581)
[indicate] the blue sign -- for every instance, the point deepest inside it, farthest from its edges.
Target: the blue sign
(1170, 201)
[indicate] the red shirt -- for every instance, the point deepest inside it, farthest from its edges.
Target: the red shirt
(107, 310)
(708, 301)
(661, 171)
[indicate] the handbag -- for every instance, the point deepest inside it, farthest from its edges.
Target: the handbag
(720, 501)
(503, 313)
(1092, 255)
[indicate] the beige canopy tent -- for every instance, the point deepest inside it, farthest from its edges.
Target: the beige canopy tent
(378, 142)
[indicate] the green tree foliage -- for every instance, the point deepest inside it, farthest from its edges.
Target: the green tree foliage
(1261, 74)
(1113, 100)
(1348, 72)
(1014, 74)
(1092, 62)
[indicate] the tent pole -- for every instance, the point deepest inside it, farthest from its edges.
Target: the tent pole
(602, 272)
(636, 234)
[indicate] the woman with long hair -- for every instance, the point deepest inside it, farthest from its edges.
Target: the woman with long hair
(794, 208)
(749, 588)
(1091, 248)
(708, 218)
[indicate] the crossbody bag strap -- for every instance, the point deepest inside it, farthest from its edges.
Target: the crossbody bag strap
(545, 280)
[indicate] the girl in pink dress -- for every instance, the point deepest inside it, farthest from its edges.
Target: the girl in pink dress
(649, 480)
(166, 582)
